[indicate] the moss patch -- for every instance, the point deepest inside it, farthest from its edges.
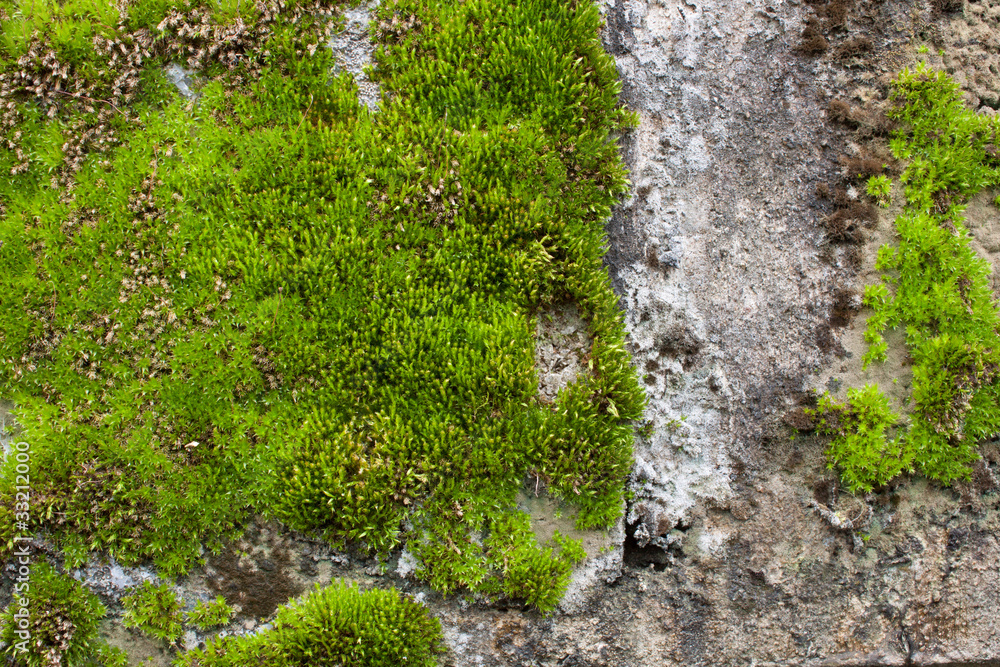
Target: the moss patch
(53, 620)
(274, 301)
(337, 625)
(937, 290)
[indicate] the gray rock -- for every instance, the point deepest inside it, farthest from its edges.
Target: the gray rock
(353, 50)
(181, 78)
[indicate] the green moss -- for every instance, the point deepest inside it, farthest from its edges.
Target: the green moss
(530, 573)
(276, 302)
(155, 610)
(53, 620)
(337, 625)
(863, 447)
(879, 188)
(206, 615)
(934, 284)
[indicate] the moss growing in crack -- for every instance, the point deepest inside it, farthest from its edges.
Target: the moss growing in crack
(337, 625)
(273, 301)
(934, 284)
(155, 610)
(53, 620)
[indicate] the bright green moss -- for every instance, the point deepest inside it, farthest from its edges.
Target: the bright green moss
(60, 626)
(537, 576)
(864, 447)
(939, 287)
(879, 188)
(328, 627)
(156, 610)
(207, 615)
(276, 302)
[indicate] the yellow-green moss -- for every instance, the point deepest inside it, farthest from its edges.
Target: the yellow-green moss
(936, 287)
(273, 301)
(332, 626)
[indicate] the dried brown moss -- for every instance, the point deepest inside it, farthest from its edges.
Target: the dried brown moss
(812, 42)
(855, 47)
(846, 225)
(947, 6)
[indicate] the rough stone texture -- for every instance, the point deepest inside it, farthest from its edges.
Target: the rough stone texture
(739, 548)
(717, 254)
(561, 342)
(353, 51)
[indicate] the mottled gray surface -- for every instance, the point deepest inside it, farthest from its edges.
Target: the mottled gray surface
(740, 549)
(717, 253)
(353, 51)
(561, 343)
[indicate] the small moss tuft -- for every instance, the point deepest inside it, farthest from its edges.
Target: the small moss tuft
(155, 610)
(206, 615)
(862, 447)
(328, 627)
(60, 626)
(812, 42)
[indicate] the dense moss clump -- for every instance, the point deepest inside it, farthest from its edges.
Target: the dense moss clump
(207, 615)
(864, 447)
(938, 289)
(274, 301)
(155, 610)
(53, 621)
(333, 626)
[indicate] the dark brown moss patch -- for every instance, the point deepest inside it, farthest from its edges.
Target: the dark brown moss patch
(864, 166)
(840, 111)
(799, 420)
(947, 6)
(827, 342)
(855, 47)
(259, 584)
(812, 42)
(846, 225)
(846, 305)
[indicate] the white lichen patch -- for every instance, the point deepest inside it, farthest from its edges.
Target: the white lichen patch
(353, 50)
(407, 564)
(6, 427)
(561, 345)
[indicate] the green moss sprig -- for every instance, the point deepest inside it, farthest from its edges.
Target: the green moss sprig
(155, 610)
(336, 625)
(936, 287)
(207, 615)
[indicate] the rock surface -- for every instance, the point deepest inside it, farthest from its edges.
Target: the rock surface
(738, 547)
